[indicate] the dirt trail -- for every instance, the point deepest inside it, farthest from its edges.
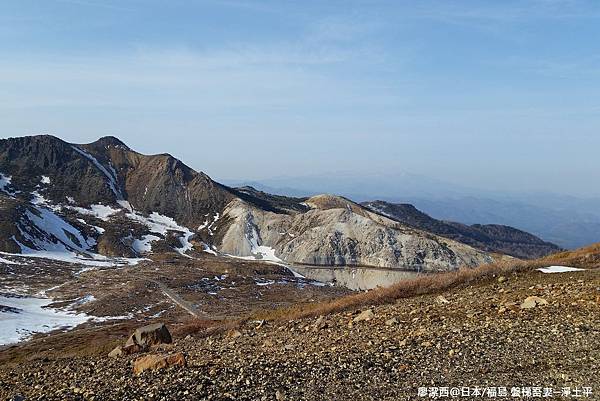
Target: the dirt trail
(182, 303)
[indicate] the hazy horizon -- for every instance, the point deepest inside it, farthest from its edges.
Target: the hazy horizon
(498, 96)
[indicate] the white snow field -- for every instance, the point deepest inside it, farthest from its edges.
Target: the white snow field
(102, 212)
(52, 241)
(559, 269)
(160, 224)
(20, 317)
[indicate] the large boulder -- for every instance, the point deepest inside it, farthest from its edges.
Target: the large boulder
(364, 316)
(153, 334)
(154, 362)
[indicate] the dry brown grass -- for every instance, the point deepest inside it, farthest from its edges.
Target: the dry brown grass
(84, 342)
(588, 257)
(426, 284)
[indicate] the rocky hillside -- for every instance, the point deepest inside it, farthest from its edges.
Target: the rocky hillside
(103, 199)
(520, 331)
(336, 231)
(489, 237)
(107, 171)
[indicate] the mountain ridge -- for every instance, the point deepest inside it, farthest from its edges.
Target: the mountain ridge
(489, 237)
(158, 201)
(568, 221)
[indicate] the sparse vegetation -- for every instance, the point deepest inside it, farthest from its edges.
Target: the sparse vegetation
(588, 257)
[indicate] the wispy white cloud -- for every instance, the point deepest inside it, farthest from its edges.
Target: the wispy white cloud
(272, 77)
(97, 4)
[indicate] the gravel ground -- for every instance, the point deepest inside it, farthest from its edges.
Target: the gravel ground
(473, 336)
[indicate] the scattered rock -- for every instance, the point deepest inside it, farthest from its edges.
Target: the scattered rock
(532, 302)
(442, 300)
(320, 323)
(501, 279)
(279, 396)
(234, 334)
(154, 362)
(364, 316)
(132, 349)
(116, 353)
(378, 357)
(162, 347)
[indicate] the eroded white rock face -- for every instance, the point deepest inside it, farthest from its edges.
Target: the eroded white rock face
(341, 233)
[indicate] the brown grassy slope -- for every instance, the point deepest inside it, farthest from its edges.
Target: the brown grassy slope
(587, 257)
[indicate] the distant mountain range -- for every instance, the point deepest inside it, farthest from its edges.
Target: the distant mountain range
(90, 202)
(567, 221)
(489, 237)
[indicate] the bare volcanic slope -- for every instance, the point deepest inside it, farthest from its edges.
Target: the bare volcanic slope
(489, 237)
(336, 231)
(104, 199)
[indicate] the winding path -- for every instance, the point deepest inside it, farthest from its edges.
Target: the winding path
(187, 306)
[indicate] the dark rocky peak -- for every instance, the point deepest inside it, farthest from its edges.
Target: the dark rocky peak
(108, 142)
(507, 233)
(35, 145)
(55, 169)
(404, 212)
(249, 189)
(270, 202)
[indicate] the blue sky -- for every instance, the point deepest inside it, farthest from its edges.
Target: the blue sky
(493, 94)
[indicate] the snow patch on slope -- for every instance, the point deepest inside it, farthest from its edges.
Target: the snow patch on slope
(206, 248)
(208, 224)
(100, 211)
(259, 251)
(559, 269)
(110, 175)
(54, 238)
(160, 224)
(5, 184)
(52, 233)
(144, 244)
(21, 317)
(87, 259)
(380, 210)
